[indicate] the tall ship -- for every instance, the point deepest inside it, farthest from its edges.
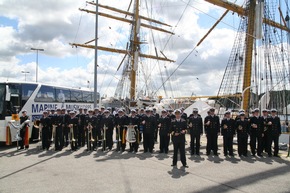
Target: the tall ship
(256, 74)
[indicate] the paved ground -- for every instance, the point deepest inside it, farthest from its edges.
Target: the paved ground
(49, 171)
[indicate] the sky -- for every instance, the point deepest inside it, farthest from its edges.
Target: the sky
(52, 25)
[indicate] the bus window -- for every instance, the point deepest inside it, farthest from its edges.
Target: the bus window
(27, 90)
(88, 97)
(13, 106)
(76, 96)
(62, 95)
(45, 94)
(2, 100)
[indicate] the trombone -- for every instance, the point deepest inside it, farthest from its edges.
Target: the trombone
(104, 137)
(72, 136)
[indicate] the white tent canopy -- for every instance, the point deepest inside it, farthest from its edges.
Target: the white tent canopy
(202, 107)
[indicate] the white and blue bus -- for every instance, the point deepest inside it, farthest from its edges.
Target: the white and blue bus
(35, 98)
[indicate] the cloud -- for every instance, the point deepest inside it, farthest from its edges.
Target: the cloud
(52, 25)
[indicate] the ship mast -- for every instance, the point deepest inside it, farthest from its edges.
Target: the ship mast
(133, 52)
(241, 61)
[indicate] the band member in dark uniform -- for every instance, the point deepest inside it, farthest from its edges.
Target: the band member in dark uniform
(57, 122)
(107, 123)
(212, 131)
(264, 121)
(256, 133)
(242, 128)
(196, 130)
(24, 132)
(73, 126)
(178, 130)
(156, 115)
(274, 127)
(164, 131)
(149, 124)
(121, 120)
(81, 128)
(133, 119)
(65, 129)
(90, 125)
(141, 127)
(45, 125)
(52, 131)
(228, 131)
(97, 132)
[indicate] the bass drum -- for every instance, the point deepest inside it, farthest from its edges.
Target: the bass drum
(131, 134)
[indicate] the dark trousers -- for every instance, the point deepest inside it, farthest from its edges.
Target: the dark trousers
(228, 144)
(45, 138)
(58, 138)
(181, 147)
(265, 142)
(254, 137)
(211, 143)
(22, 135)
(273, 138)
(194, 143)
(109, 139)
(89, 141)
(81, 136)
(164, 143)
(148, 142)
(242, 144)
(156, 134)
(65, 136)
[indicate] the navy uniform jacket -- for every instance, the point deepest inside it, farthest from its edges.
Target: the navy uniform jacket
(73, 121)
(121, 121)
(46, 123)
(108, 121)
(92, 120)
(230, 130)
(177, 126)
(197, 125)
(165, 125)
(259, 122)
(242, 127)
(150, 124)
(275, 128)
(214, 126)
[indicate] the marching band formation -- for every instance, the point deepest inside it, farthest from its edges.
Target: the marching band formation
(94, 128)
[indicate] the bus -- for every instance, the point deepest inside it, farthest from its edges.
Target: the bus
(35, 98)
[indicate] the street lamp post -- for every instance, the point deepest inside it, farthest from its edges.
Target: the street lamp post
(25, 72)
(36, 73)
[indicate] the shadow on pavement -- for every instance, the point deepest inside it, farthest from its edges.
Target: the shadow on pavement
(178, 173)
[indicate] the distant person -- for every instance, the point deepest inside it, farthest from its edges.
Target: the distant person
(274, 127)
(196, 130)
(24, 132)
(228, 132)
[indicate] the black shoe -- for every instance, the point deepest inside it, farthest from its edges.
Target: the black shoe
(160, 151)
(185, 166)
(173, 165)
(260, 155)
(215, 154)
(207, 153)
(275, 155)
(231, 154)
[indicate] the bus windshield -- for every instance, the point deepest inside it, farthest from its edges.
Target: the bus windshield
(2, 100)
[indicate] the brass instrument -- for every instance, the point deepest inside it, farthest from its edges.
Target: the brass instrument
(240, 127)
(72, 134)
(53, 132)
(90, 131)
(36, 123)
(104, 137)
(118, 138)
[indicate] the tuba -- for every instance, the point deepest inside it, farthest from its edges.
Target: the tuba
(104, 137)
(90, 131)
(131, 133)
